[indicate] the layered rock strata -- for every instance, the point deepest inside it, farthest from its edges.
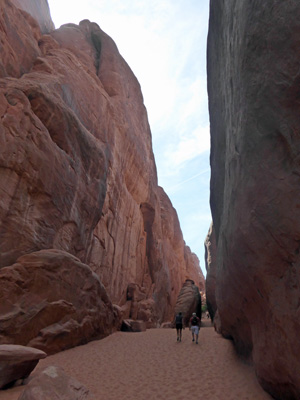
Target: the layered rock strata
(253, 87)
(78, 177)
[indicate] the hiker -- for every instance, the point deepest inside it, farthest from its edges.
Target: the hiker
(178, 324)
(194, 326)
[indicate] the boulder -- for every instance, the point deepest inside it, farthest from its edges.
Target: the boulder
(54, 383)
(129, 325)
(125, 310)
(52, 301)
(188, 301)
(17, 362)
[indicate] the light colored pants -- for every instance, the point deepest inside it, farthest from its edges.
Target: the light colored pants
(195, 329)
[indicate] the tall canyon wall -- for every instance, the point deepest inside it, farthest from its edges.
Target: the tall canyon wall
(82, 218)
(211, 267)
(253, 86)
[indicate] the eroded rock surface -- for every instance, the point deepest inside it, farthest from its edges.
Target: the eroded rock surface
(77, 174)
(52, 301)
(17, 362)
(188, 301)
(130, 325)
(253, 86)
(54, 383)
(39, 10)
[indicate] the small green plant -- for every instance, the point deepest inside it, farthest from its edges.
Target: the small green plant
(204, 308)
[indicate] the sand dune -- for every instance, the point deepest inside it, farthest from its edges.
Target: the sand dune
(153, 365)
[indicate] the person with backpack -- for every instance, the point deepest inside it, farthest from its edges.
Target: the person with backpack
(195, 326)
(178, 324)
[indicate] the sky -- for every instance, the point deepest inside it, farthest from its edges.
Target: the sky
(164, 43)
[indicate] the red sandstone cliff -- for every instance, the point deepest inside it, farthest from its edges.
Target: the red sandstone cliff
(78, 181)
(253, 87)
(39, 10)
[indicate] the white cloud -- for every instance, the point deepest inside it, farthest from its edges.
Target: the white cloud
(178, 185)
(195, 228)
(197, 101)
(189, 146)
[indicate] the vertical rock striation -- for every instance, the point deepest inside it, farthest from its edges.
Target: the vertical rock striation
(78, 178)
(211, 269)
(253, 86)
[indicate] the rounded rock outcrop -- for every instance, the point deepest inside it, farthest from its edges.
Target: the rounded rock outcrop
(188, 301)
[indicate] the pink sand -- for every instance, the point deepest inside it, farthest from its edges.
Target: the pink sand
(152, 365)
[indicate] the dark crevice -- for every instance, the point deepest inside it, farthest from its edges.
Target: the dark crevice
(96, 41)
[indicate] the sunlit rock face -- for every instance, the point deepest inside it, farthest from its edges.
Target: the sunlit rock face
(77, 171)
(52, 301)
(253, 86)
(52, 382)
(188, 301)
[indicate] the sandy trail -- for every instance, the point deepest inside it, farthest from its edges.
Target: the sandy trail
(152, 365)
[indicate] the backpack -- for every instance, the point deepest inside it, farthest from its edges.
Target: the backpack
(195, 321)
(178, 319)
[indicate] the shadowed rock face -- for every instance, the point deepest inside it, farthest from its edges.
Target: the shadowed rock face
(17, 362)
(77, 171)
(253, 86)
(210, 260)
